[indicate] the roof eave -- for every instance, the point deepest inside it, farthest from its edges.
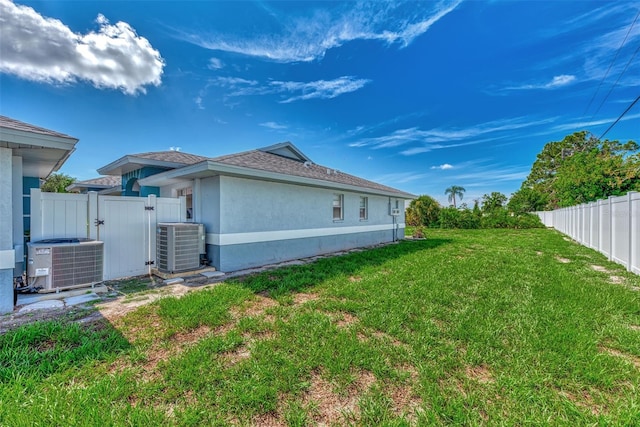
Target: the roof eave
(116, 167)
(210, 168)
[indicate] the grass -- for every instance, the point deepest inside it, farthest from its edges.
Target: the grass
(469, 327)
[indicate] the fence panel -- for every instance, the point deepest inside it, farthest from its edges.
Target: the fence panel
(635, 232)
(124, 224)
(612, 227)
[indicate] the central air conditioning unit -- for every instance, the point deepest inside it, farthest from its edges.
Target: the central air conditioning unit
(179, 246)
(57, 264)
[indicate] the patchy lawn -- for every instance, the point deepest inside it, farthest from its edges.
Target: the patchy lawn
(473, 327)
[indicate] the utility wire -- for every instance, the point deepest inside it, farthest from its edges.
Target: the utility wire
(620, 117)
(619, 77)
(611, 64)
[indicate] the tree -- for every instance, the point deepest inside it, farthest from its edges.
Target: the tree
(526, 200)
(581, 168)
(454, 191)
(493, 201)
(423, 211)
(57, 183)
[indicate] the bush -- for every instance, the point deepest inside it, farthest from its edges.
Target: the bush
(497, 218)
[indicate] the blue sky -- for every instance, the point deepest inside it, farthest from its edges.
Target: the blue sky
(416, 95)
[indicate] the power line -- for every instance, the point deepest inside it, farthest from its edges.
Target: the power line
(611, 64)
(620, 117)
(616, 83)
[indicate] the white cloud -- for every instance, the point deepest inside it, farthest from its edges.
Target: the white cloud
(273, 125)
(323, 89)
(443, 167)
(307, 38)
(581, 125)
(43, 49)
(433, 139)
(215, 64)
(292, 91)
(554, 83)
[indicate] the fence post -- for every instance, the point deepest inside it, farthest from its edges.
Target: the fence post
(92, 215)
(152, 221)
(611, 236)
(629, 200)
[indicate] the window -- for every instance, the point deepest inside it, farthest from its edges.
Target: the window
(364, 208)
(338, 203)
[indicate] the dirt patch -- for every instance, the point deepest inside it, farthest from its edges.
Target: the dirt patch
(583, 400)
(563, 260)
(355, 279)
(599, 268)
(111, 310)
(616, 280)
(634, 327)
(333, 408)
(302, 298)
(255, 307)
(346, 319)
(239, 354)
(269, 419)
(634, 360)
(538, 253)
(480, 373)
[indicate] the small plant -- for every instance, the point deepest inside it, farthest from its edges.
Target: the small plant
(419, 232)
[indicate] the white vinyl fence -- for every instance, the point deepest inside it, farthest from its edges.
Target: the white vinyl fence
(126, 225)
(610, 226)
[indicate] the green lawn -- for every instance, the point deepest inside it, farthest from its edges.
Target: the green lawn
(468, 327)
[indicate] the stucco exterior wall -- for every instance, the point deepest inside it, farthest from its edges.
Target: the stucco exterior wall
(7, 259)
(251, 205)
(251, 223)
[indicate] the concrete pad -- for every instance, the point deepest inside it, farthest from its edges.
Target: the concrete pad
(42, 305)
(174, 281)
(80, 299)
(211, 274)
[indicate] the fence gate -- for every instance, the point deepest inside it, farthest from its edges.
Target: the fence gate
(126, 225)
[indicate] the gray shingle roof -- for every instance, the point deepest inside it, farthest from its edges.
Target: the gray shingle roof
(260, 160)
(109, 181)
(9, 123)
(171, 156)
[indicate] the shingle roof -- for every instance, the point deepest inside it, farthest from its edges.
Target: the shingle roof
(171, 156)
(260, 160)
(9, 123)
(109, 181)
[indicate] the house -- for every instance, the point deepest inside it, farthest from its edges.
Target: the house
(106, 185)
(28, 154)
(268, 205)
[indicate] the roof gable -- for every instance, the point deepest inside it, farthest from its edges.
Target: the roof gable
(162, 159)
(286, 149)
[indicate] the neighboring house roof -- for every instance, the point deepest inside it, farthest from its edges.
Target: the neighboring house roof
(43, 151)
(9, 123)
(162, 159)
(102, 183)
(280, 162)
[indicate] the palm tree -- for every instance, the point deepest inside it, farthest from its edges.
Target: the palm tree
(453, 191)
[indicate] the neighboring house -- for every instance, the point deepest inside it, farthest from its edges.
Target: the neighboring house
(28, 154)
(105, 185)
(268, 205)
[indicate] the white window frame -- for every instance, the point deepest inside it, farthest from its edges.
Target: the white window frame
(364, 208)
(338, 203)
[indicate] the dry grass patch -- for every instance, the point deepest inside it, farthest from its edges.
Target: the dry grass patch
(344, 319)
(599, 268)
(331, 407)
(583, 400)
(480, 373)
(303, 298)
(634, 360)
(563, 260)
(355, 279)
